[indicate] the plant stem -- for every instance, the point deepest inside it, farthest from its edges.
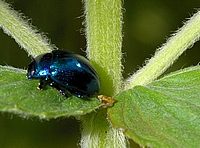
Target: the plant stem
(104, 39)
(168, 53)
(97, 132)
(26, 36)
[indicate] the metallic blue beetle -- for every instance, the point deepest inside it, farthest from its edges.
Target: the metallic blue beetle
(64, 70)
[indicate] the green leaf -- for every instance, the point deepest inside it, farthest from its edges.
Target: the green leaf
(21, 96)
(165, 113)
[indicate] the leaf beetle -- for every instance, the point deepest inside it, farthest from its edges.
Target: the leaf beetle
(65, 70)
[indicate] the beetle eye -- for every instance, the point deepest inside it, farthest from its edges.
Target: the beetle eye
(32, 73)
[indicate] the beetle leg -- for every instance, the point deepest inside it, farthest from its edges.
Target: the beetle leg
(41, 84)
(55, 85)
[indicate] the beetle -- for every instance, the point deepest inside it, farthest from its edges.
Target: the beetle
(66, 71)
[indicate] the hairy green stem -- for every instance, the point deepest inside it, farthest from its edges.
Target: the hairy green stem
(168, 53)
(104, 40)
(26, 36)
(97, 132)
(103, 33)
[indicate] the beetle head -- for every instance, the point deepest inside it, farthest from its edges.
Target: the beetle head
(39, 67)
